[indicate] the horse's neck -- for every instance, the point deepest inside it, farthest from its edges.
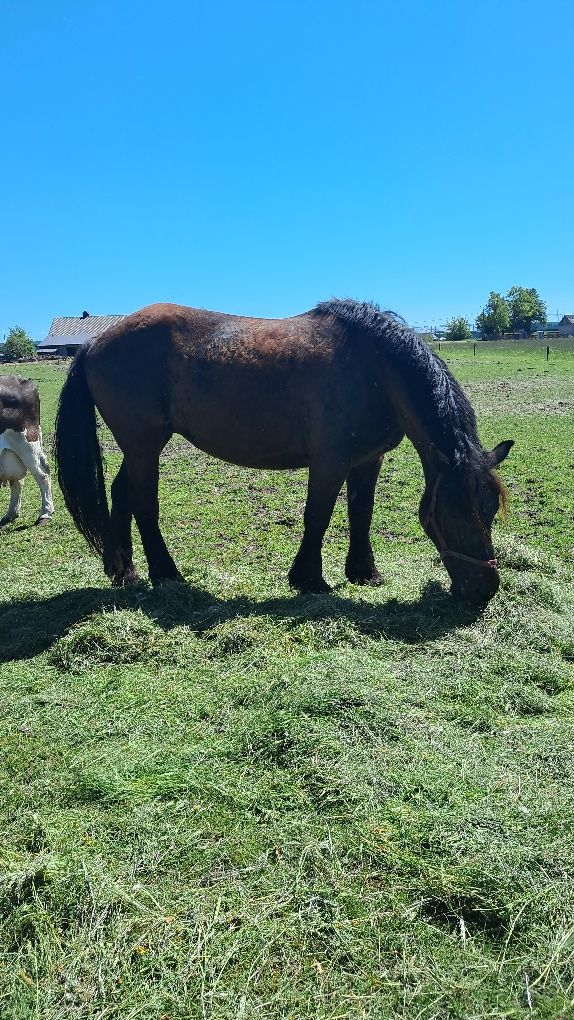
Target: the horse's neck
(418, 427)
(423, 444)
(425, 406)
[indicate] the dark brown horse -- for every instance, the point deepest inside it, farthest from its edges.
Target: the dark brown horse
(331, 390)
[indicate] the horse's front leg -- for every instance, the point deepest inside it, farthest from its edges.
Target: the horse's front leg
(360, 567)
(325, 484)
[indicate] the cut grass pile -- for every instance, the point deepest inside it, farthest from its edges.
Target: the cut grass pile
(223, 800)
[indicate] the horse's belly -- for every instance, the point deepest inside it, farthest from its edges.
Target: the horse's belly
(11, 467)
(269, 436)
(252, 455)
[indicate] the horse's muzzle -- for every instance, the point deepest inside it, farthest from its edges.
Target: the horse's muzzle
(477, 592)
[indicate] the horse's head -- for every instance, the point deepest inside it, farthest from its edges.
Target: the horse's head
(457, 510)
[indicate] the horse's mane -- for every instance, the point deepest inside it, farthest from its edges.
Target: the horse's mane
(441, 404)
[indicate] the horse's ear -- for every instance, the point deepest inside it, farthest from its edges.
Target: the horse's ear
(500, 452)
(441, 460)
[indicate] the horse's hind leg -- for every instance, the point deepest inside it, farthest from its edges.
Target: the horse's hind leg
(118, 555)
(13, 510)
(142, 471)
(360, 567)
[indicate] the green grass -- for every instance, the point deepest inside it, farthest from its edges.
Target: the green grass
(221, 800)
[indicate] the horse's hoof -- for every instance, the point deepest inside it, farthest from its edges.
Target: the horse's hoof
(43, 519)
(175, 578)
(7, 520)
(125, 579)
(310, 586)
(374, 579)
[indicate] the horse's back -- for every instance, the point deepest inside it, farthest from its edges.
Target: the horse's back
(243, 389)
(218, 335)
(258, 392)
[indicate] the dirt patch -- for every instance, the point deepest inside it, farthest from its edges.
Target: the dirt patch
(534, 395)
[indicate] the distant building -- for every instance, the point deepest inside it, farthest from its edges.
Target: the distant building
(566, 325)
(69, 332)
(544, 329)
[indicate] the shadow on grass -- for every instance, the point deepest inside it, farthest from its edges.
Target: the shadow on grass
(31, 625)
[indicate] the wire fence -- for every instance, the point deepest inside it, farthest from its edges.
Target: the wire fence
(546, 346)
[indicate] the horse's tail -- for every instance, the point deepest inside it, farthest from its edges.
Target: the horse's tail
(79, 457)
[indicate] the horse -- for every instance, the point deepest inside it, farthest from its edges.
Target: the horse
(332, 390)
(21, 447)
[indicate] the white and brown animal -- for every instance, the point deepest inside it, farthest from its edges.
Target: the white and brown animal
(21, 445)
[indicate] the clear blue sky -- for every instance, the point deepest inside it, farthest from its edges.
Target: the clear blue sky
(258, 157)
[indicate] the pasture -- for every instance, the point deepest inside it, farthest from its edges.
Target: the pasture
(223, 800)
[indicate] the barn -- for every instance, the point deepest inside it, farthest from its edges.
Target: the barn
(566, 325)
(69, 332)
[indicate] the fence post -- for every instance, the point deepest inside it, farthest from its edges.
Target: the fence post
(474, 351)
(547, 352)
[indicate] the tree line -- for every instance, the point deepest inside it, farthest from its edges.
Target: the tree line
(514, 313)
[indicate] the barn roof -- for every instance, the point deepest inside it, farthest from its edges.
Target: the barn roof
(78, 329)
(568, 318)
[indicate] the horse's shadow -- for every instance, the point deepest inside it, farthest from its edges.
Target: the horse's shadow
(29, 626)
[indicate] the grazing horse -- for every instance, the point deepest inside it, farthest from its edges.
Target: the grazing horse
(333, 390)
(21, 445)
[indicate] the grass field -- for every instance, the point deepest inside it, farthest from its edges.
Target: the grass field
(222, 800)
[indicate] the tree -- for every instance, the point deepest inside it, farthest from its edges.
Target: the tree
(525, 306)
(18, 345)
(494, 319)
(458, 329)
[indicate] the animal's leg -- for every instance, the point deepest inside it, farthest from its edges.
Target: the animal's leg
(13, 510)
(32, 456)
(360, 565)
(118, 557)
(325, 484)
(143, 477)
